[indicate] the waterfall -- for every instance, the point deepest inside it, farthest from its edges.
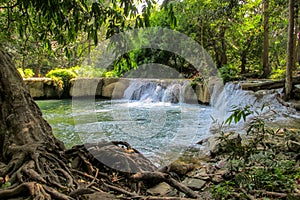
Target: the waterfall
(173, 91)
(223, 98)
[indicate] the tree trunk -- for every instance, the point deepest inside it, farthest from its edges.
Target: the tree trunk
(243, 61)
(296, 30)
(268, 85)
(27, 145)
(266, 65)
(290, 52)
(223, 46)
(89, 60)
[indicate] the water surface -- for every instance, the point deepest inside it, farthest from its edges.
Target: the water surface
(160, 130)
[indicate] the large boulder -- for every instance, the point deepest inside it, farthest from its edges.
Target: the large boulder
(86, 87)
(114, 87)
(42, 88)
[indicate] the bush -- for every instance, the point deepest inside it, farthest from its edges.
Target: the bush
(88, 71)
(278, 74)
(62, 77)
(21, 72)
(229, 73)
(262, 161)
(26, 73)
(64, 74)
(111, 74)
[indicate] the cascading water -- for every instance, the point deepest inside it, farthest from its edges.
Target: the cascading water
(173, 91)
(224, 98)
(154, 118)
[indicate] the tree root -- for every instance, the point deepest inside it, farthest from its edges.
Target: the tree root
(276, 194)
(46, 175)
(165, 178)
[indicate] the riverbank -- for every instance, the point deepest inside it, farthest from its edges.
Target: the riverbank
(107, 88)
(262, 165)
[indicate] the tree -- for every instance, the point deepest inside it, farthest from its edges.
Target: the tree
(266, 65)
(290, 52)
(31, 158)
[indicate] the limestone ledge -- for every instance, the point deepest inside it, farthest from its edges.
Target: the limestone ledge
(110, 88)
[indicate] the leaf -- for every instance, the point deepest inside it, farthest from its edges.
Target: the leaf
(6, 185)
(6, 178)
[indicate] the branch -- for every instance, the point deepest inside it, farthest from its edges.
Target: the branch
(276, 194)
(10, 7)
(19, 190)
(163, 177)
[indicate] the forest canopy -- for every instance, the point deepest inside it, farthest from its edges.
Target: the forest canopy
(244, 38)
(255, 38)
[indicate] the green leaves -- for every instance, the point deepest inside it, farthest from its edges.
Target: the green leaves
(258, 161)
(238, 114)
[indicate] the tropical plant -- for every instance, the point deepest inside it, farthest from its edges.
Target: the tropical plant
(254, 161)
(26, 73)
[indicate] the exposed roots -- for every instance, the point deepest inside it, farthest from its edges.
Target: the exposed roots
(37, 173)
(46, 174)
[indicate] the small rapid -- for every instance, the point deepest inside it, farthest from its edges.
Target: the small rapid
(160, 118)
(225, 98)
(153, 116)
(173, 91)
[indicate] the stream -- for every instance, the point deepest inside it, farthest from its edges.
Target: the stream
(155, 119)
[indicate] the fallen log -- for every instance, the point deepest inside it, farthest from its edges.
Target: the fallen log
(288, 104)
(267, 85)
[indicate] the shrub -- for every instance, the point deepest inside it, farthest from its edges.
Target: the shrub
(64, 74)
(88, 71)
(259, 162)
(62, 78)
(229, 73)
(278, 74)
(111, 74)
(26, 73)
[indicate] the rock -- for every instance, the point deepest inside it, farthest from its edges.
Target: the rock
(107, 90)
(206, 195)
(190, 96)
(41, 88)
(181, 169)
(120, 87)
(221, 164)
(120, 156)
(200, 174)
(217, 178)
(293, 146)
(202, 93)
(114, 88)
(194, 183)
(101, 196)
(160, 190)
(86, 87)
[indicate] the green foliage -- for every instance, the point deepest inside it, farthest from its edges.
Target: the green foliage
(238, 114)
(278, 74)
(62, 77)
(260, 161)
(196, 80)
(87, 71)
(224, 190)
(229, 73)
(21, 72)
(6, 185)
(111, 74)
(64, 74)
(26, 73)
(62, 33)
